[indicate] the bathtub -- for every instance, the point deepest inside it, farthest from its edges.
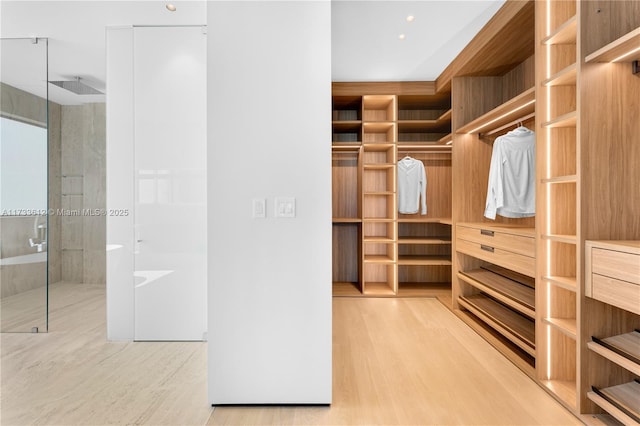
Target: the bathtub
(25, 258)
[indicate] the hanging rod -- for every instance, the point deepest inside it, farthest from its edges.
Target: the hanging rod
(404, 151)
(509, 124)
(425, 148)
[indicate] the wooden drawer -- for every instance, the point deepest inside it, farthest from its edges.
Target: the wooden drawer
(516, 262)
(613, 273)
(521, 241)
(622, 294)
(616, 264)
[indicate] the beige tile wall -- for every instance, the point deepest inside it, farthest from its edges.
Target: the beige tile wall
(83, 238)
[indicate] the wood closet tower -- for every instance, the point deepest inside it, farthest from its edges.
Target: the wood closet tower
(377, 251)
(559, 293)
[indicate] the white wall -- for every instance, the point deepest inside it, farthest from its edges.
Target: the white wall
(156, 182)
(269, 115)
(120, 190)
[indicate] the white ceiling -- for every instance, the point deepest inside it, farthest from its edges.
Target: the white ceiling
(365, 43)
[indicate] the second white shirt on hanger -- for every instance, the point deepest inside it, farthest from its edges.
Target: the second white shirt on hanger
(412, 186)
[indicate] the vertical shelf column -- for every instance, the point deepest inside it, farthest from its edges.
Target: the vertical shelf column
(559, 259)
(345, 173)
(379, 210)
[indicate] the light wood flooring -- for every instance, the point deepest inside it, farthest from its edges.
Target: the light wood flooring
(73, 376)
(396, 361)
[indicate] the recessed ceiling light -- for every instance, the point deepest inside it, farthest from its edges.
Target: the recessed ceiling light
(170, 7)
(402, 36)
(410, 18)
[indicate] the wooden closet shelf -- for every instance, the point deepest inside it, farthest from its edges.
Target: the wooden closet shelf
(378, 289)
(515, 108)
(346, 124)
(567, 120)
(378, 147)
(568, 239)
(378, 259)
(515, 327)
(425, 240)
(625, 400)
(380, 166)
(568, 283)
(377, 239)
(624, 49)
(344, 288)
(563, 389)
(379, 193)
(567, 326)
(426, 151)
(512, 293)
(564, 34)
(442, 220)
(446, 140)
(423, 126)
(561, 179)
(623, 349)
(347, 220)
(353, 148)
(417, 260)
(378, 126)
(445, 115)
(565, 77)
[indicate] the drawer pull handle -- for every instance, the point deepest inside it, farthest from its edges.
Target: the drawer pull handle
(486, 248)
(487, 232)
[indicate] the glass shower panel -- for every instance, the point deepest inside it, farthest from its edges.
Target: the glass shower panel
(170, 167)
(23, 185)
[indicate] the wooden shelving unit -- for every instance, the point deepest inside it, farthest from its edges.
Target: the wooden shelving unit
(485, 105)
(622, 401)
(583, 153)
(623, 350)
(513, 326)
(558, 153)
(398, 255)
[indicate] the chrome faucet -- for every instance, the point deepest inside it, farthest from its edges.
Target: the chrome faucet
(39, 245)
(40, 230)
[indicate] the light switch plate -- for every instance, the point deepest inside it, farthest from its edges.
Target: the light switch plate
(285, 207)
(259, 208)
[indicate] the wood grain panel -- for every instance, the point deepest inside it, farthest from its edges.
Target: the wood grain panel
(519, 79)
(563, 259)
(611, 141)
(562, 197)
(345, 252)
(385, 88)
(344, 177)
(613, 19)
(561, 11)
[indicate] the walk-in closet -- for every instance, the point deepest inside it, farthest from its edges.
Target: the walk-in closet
(530, 227)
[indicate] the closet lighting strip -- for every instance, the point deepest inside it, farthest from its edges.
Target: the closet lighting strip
(506, 114)
(626, 54)
(509, 124)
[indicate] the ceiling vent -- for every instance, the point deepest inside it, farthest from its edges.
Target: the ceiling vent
(77, 87)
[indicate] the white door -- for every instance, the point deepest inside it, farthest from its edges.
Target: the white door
(170, 180)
